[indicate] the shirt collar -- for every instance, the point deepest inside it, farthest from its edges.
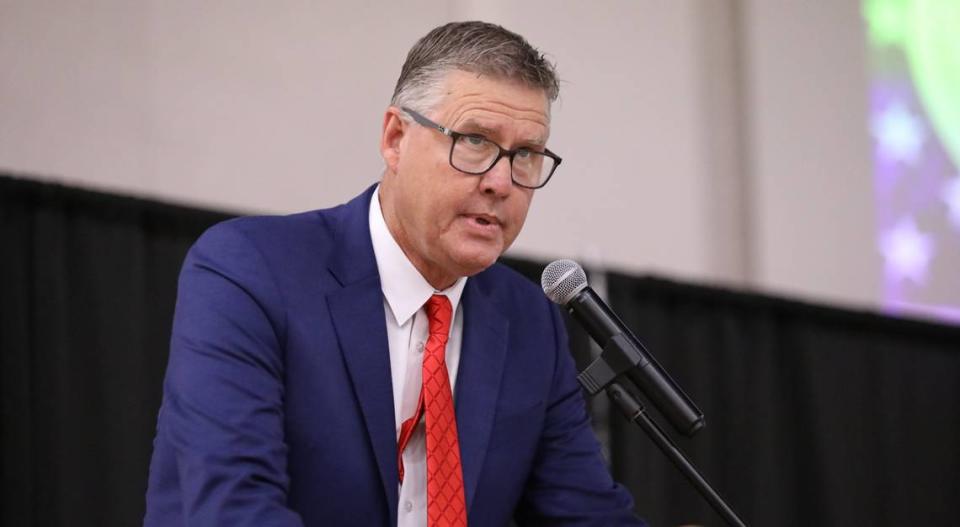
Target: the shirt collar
(405, 289)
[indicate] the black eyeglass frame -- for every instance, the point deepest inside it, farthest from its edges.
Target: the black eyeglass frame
(503, 152)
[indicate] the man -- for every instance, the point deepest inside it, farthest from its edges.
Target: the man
(339, 367)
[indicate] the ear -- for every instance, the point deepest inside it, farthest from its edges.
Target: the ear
(394, 129)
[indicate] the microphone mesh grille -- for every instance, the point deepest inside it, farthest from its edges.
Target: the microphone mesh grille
(562, 279)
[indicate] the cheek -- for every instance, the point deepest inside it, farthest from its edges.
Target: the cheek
(520, 209)
(440, 211)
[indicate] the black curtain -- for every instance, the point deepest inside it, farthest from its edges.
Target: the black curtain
(814, 415)
(87, 289)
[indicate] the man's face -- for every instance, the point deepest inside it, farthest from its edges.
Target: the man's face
(448, 223)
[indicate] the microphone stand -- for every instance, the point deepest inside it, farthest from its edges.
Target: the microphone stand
(565, 283)
(603, 374)
(634, 411)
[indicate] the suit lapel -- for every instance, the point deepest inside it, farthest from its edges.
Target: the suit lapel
(358, 317)
(359, 320)
(482, 358)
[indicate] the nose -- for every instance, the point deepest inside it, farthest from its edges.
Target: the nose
(498, 181)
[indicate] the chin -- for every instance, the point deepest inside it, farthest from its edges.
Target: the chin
(476, 262)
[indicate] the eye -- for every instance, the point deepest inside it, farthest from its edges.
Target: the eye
(523, 153)
(475, 140)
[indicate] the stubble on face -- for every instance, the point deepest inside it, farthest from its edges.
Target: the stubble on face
(451, 224)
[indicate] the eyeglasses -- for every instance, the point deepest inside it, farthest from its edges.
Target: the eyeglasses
(475, 154)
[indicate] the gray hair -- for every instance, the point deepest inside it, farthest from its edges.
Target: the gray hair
(476, 47)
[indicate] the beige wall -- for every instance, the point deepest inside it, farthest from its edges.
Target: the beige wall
(690, 129)
(809, 165)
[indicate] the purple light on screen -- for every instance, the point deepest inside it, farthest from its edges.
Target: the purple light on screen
(884, 96)
(910, 308)
(900, 134)
(906, 252)
(917, 184)
(951, 196)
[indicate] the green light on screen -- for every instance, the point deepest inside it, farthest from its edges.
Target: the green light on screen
(928, 32)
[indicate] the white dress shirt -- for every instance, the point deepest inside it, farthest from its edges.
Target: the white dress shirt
(405, 291)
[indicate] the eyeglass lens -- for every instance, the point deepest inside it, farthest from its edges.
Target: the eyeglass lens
(475, 155)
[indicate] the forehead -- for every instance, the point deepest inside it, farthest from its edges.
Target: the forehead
(497, 106)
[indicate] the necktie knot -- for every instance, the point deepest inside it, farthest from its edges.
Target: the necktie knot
(439, 313)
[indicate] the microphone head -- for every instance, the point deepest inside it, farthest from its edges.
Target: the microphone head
(562, 280)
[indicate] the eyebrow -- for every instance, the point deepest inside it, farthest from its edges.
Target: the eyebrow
(470, 124)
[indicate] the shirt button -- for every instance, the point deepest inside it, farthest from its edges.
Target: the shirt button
(407, 506)
(419, 347)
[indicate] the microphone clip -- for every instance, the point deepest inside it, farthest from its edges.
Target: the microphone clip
(617, 358)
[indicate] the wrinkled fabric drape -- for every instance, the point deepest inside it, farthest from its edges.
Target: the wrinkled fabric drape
(815, 415)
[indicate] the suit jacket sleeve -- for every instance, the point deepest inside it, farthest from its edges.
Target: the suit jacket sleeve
(223, 394)
(569, 484)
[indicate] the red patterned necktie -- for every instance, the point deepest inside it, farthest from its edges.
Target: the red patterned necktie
(446, 503)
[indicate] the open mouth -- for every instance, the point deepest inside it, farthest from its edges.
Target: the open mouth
(485, 224)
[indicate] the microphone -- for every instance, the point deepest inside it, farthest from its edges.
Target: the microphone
(565, 283)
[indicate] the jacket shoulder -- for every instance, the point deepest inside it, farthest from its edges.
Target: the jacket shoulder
(516, 294)
(270, 231)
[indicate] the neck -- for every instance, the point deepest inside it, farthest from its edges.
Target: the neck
(434, 276)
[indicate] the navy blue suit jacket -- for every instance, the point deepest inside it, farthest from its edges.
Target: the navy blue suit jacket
(278, 407)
